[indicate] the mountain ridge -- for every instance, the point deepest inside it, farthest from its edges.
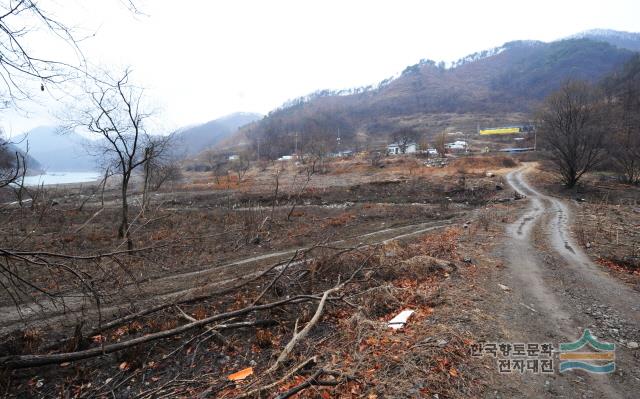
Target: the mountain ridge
(511, 78)
(622, 39)
(196, 138)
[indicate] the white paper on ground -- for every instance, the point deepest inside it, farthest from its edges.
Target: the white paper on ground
(401, 319)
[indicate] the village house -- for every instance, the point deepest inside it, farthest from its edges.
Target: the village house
(396, 148)
(457, 146)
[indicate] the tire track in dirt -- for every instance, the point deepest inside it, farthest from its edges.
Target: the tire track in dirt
(189, 284)
(556, 282)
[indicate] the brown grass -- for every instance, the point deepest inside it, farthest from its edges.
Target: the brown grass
(340, 220)
(477, 163)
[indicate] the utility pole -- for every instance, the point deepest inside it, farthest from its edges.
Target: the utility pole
(466, 143)
(258, 148)
(338, 140)
(296, 144)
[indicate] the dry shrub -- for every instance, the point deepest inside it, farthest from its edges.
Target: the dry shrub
(340, 220)
(429, 255)
(422, 266)
(22, 343)
(68, 238)
(349, 166)
(581, 234)
(251, 221)
(485, 217)
(629, 262)
(438, 245)
(224, 182)
(387, 257)
(199, 312)
(97, 234)
(31, 340)
(444, 203)
(509, 162)
(227, 181)
(484, 162)
(386, 300)
(423, 297)
(132, 358)
(384, 357)
(160, 234)
(379, 301)
(297, 214)
(162, 324)
(264, 338)
(325, 268)
(201, 181)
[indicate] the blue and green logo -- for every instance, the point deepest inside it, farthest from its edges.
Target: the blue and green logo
(600, 360)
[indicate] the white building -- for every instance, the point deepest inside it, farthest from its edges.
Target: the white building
(457, 145)
(396, 148)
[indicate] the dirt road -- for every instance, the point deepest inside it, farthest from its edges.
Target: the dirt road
(556, 292)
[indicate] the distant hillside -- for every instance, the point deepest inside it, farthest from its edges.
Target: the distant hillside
(56, 152)
(626, 40)
(193, 140)
(625, 78)
(8, 157)
(509, 79)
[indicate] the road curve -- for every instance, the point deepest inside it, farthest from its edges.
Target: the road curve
(555, 289)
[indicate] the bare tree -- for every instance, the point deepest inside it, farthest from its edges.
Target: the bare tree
(568, 126)
(115, 113)
(316, 153)
(624, 147)
(623, 111)
(21, 70)
(404, 137)
(12, 163)
(160, 165)
(166, 172)
(240, 165)
(375, 158)
(309, 171)
(217, 163)
(441, 144)
(423, 144)
(17, 185)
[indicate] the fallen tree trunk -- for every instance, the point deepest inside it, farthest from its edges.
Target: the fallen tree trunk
(144, 312)
(298, 336)
(23, 361)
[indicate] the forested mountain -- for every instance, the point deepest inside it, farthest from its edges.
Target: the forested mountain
(627, 40)
(195, 139)
(511, 78)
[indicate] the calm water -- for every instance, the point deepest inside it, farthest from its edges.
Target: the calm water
(61, 178)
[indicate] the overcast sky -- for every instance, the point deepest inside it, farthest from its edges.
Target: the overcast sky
(203, 59)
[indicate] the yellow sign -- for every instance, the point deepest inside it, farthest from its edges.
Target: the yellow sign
(500, 130)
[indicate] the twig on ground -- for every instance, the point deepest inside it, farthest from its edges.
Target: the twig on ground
(297, 336)
(266, 289)
(23, 361)
(290, 373)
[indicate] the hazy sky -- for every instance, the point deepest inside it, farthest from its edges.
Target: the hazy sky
(203, 59)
